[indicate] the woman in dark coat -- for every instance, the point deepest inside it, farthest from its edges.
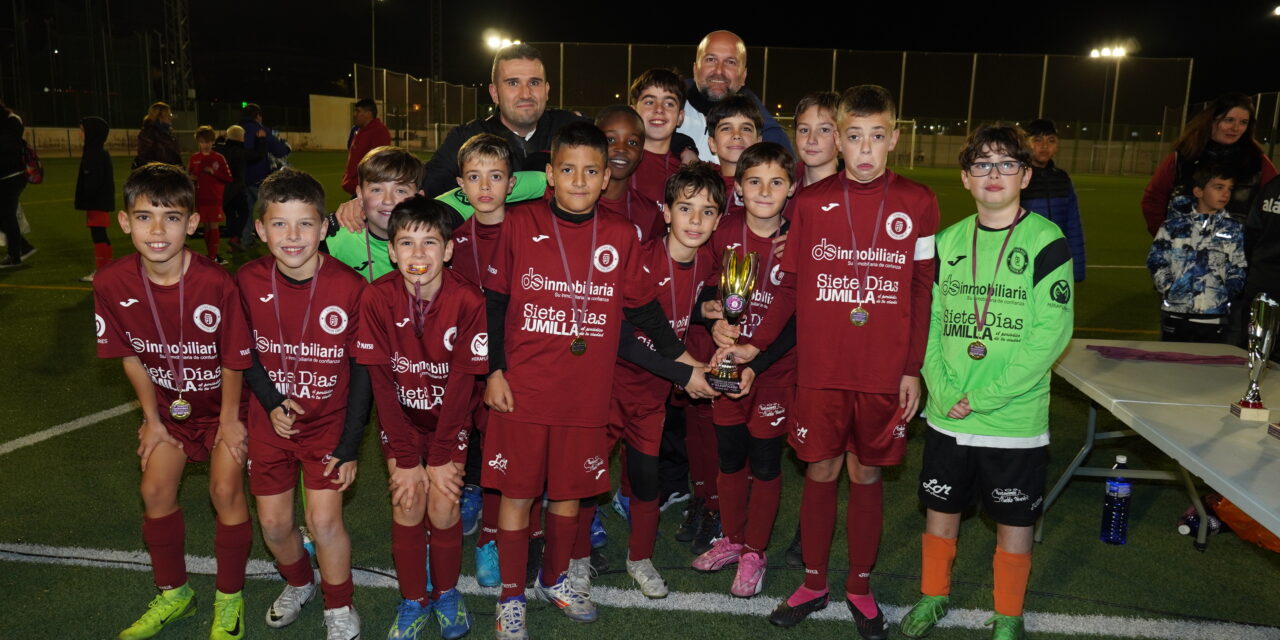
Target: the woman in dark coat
(155, 141)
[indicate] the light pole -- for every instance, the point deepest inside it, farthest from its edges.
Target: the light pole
(1118, 53)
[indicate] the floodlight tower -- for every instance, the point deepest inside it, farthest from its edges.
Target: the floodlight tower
(175, 49)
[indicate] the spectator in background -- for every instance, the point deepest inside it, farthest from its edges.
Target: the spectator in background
(257, 139)
(1050, 192)
(370, 134)
(235, 202)
(720, 70)
(1262, 248)
(1221, 135)
(156, 142)
(13, 179)
(96, 189)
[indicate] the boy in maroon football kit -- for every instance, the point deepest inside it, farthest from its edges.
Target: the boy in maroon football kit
(733, 124)
(174, 318)
(816, 139)
(313, 398)
(624, 130)
(423, 338)
(862, 260)
(556, 290)
(751, 426)
(679, 265)
(658, 96)
(212, 174)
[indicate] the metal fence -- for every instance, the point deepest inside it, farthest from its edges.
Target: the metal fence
(420, 112)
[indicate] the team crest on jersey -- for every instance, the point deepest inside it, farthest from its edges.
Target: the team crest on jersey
(99, 325)
(480, 345)
(1017, 260)
(775, 275)
(898, 226)
(449, 337)
(606, 258)
(333, 320)
(207, 317)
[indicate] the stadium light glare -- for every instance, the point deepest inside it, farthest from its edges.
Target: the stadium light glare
(1106, 52)
(1095, 53)
(1276, 11)
(494, 42)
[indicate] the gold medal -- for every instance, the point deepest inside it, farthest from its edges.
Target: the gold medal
(859, 316)
(578, 346)
(180, 409)
(977, 350)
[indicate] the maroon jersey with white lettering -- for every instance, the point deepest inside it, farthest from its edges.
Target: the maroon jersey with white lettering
(733, 205)
(677, 286)
(650, 178)
(207, 334)
(473, 247)
(634, 207)
(549, 384)
(454, 340)
(890, 277)
(734, 234)
(306, 352)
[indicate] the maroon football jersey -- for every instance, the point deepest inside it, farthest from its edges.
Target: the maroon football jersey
(889, 276)
(677, 286)
(306, 352)
(551, 385)
(650, 178)
(454, 340)
(207, 334)
(640, 211)
(733, 205)
(733, 234)
(473, 246)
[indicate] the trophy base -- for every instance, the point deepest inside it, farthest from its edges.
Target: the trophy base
(1273, 430)
(1250, 414)
(724, 385)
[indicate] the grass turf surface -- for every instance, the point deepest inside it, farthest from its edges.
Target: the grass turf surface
(80, 488)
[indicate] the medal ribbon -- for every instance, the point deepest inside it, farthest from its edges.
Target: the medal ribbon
(768, 266)
(980, 320)
(302, 333)
(853, 236)
(591, 265)
(176, 354)
(418, 309)
(693, 297)
(368, 253)
(475, 252)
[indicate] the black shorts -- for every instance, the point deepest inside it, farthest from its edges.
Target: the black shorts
(1008, 482)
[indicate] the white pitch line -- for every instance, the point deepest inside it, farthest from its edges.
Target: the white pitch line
(67, 427)
(720, 603)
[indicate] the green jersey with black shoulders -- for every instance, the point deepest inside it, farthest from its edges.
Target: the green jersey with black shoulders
(1027, 325)
(362, 251)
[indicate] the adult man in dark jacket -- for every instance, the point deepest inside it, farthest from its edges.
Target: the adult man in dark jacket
(255, 136)
(520, 89)
(720, 70)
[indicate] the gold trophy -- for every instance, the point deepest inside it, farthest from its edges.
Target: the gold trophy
(737, 281)
(1264, 319)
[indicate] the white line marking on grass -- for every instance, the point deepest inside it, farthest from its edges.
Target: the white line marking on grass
(1115, 266)
(1061, 623)
(67, 427)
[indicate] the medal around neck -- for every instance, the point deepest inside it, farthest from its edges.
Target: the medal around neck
(578, 346)
(179, 409)
(977, 350)
(859, 316)
(737, 281)
(1264, 320)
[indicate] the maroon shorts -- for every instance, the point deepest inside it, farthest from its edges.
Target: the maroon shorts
(196, 436)
(210, 214)
(422, 443)
(831, 422)
(639, 426)
(765, 411)
(98, 218)
(521, 459)
(274, 470)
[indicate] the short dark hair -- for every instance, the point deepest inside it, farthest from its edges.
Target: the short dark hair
(765, 153)
(290, 185)
(665, 79)
(368, 104)
(421, 212)
(205, 133)
(519, 51)
(735, 105)
(250, 111)
(485, 145)
(389, 164)
(1206, 172)
(693, 178)
(164, 184)
(1041, 127)
(579, 134)
(828, 100)
(867, 100)
(995, 138)
(613, 109)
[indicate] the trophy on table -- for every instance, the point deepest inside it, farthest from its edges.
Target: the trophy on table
(1264, 319)
(737, 281)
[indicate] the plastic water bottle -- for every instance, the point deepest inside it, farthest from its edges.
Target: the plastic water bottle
(1115, 508)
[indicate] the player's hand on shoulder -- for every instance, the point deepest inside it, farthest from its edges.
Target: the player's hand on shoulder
(351, 215)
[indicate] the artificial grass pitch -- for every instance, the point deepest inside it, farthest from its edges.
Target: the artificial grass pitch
(80, 488)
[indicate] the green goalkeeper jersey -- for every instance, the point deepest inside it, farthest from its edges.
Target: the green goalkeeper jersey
(362, 251)
(1027, 325)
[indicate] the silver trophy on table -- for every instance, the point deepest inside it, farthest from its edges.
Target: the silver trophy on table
(1264, 319)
